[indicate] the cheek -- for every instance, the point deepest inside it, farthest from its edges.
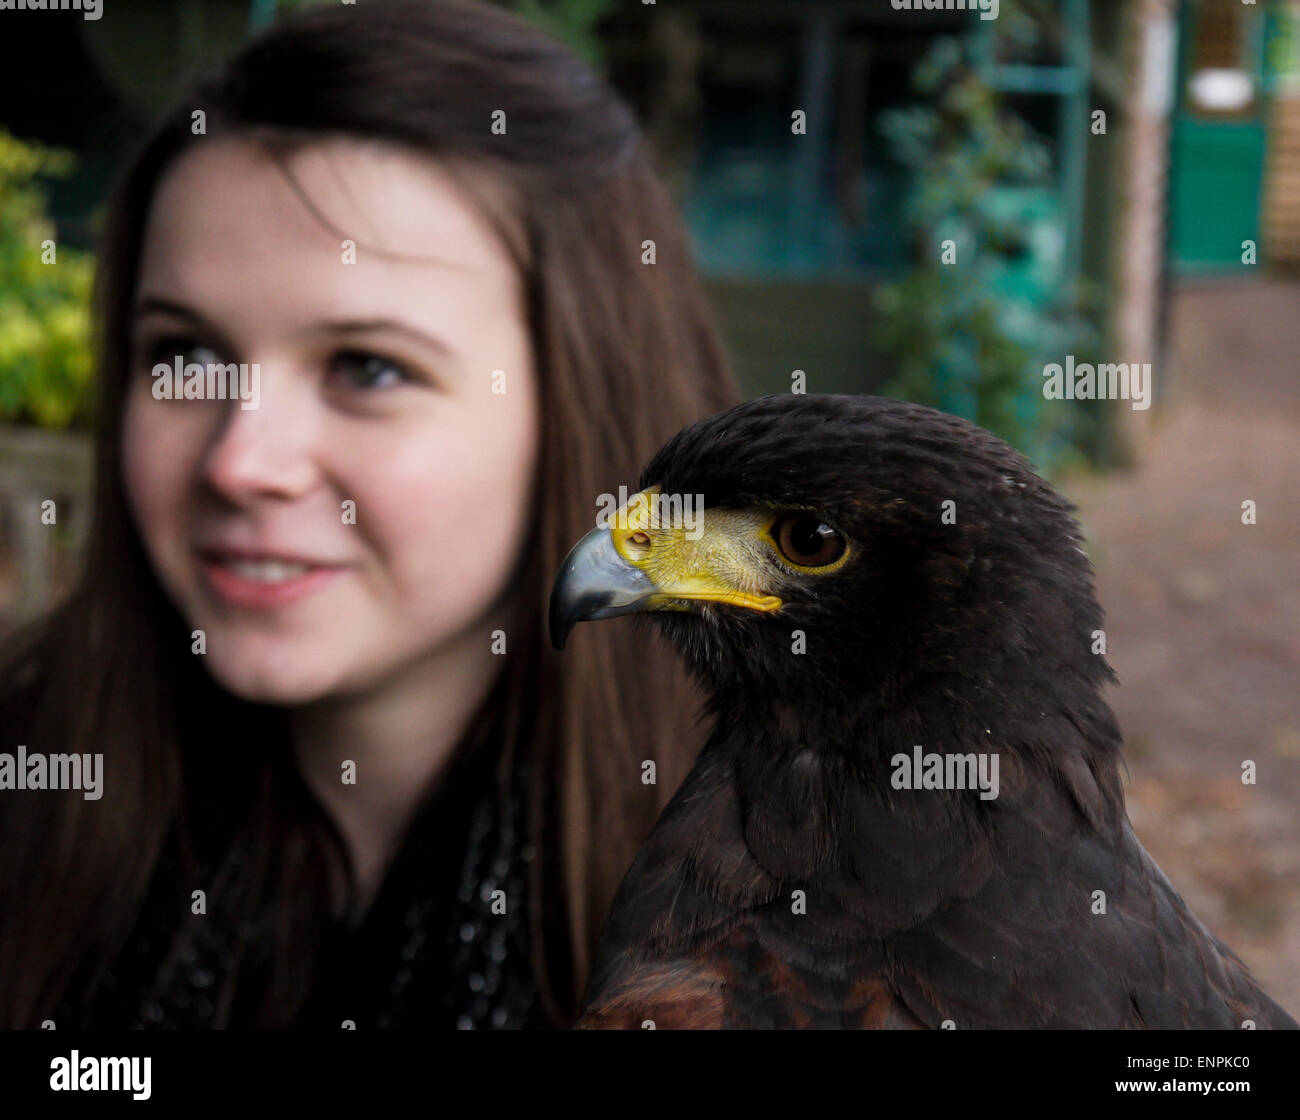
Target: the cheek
(450, 515)
(158, 453)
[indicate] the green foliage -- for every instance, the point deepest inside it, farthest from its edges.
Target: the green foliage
(972, 337)
(45, 354)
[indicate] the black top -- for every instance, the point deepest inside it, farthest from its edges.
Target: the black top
(429, 952)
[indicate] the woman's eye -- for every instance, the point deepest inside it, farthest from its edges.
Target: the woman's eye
(356, 370)
(170, 349)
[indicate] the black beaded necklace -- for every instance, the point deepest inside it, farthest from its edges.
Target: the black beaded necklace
(456, 962)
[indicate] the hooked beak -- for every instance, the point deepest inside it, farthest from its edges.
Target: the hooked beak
(643, 561)
(595, 582)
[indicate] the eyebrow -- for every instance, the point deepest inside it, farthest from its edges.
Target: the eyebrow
(151, 305)
(368, 326)
(157, 304)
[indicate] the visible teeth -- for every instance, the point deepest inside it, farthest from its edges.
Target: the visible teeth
(265, 571)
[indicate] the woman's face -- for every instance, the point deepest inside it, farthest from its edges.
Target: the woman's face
(370, 509)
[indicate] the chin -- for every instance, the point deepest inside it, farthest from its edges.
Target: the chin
(285, 678)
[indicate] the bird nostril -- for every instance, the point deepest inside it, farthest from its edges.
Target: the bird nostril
(639, 541)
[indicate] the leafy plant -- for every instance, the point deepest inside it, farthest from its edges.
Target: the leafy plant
(45, 353)
(972, 336)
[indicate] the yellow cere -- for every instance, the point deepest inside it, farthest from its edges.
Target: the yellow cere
(693, 554)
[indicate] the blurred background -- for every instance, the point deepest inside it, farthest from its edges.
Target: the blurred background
(1120, 182)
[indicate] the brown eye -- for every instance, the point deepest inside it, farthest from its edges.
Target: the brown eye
(806, 540)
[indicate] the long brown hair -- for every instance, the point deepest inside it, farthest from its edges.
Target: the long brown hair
(625, 354)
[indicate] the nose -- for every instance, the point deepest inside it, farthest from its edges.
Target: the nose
(270, 450)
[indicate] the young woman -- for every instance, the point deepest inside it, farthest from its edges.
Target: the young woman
(345, 780)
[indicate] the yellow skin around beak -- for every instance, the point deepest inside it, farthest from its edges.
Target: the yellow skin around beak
(713, 561)
(651, 556)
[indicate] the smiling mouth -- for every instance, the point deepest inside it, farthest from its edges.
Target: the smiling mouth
(265, 571)
(263, 582)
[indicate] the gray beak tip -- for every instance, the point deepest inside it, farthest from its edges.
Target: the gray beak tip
(560, 626)
(595, 582)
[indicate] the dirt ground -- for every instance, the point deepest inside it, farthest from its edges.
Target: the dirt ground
(1203, 618)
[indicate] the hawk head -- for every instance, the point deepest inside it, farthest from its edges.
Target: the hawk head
(848, 551)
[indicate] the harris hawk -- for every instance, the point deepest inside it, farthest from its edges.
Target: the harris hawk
(909, 811)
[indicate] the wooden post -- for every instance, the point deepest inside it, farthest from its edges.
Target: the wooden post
(36, 465)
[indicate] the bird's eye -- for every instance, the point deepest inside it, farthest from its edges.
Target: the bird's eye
(806, 540)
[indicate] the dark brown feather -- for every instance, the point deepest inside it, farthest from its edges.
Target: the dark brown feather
(788, 883)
